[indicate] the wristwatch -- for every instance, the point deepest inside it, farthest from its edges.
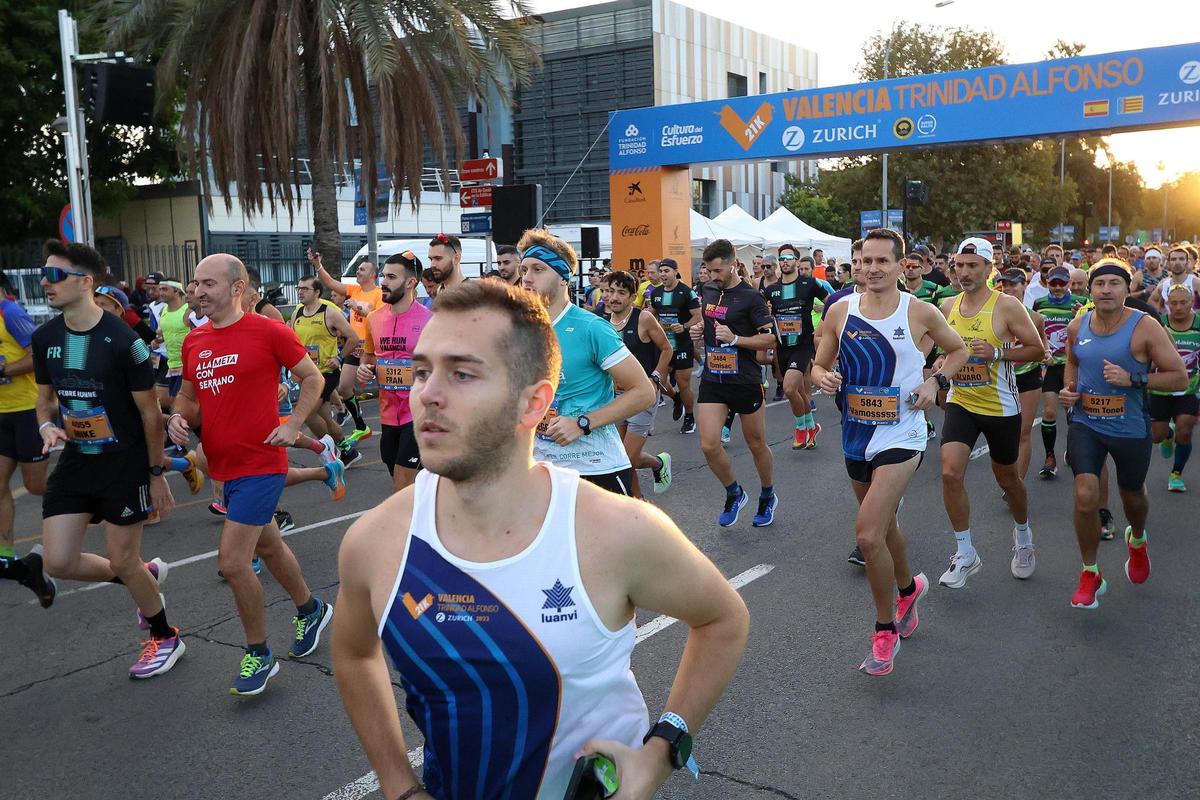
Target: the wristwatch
(584, 424)
(673, 729)
(156, 470)
(942, 381)
(1138, 380)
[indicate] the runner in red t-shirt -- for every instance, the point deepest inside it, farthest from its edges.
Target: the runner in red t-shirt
(391, 336)
(231, 377)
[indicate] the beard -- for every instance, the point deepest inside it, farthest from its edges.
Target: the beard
(492, 445)
(393, 297)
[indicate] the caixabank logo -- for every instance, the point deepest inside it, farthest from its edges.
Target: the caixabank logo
(746, 131)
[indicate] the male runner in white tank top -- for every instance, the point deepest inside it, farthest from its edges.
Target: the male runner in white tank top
(504, 590)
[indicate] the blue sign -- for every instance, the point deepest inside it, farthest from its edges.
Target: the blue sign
(1156, 235)
(383, 195)
(1095, 94)
(66, 224)
(1108, 234)
(896, 219)
(868, 220)
(1064, 233)
(477, 223)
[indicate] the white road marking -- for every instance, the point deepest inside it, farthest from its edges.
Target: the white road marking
(357, 789)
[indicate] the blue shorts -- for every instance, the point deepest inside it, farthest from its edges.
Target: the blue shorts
(252, 500)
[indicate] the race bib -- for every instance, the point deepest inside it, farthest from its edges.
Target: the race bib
(973, 373)
(668, 318)
(721, 360)
(88, 427)
(551, 413)
(395, 374)
(1103, 406)
(314, 352)
(790, 324)
(873, 405)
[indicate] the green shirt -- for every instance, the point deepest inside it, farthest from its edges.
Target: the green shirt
(945, 293)
(1187, 342)
(927, 291)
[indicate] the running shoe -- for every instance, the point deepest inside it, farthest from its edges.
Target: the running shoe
(284, 520)
(193, 476)
(1175, 483)
(733, 507)
(330, 453)
(158, 656)
(766, 511)
(1137, 566)
(254, 673)
(906, 607)
(1049, 468)
(340, 415)
(662, 477)
(930, 431)
(216, 508)
(961, 568)
(1024, 562)
(350, 457)
(1166, 448)
(884, 646)
(335, 479)
(800, 439)
(159, 569)
(662, 401)
(1106, 524)
(689, 424)
(308, 629)
(37, 581)
(726, 435)
(812, 435)
(676, 407)
(359, 434)
(1091, 586)
(857, 557)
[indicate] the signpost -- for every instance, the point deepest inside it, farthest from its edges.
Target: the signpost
(1063, 233)
(383, 196)
(481, 169)
(475, 196)
(1109, 234)
(477, 223)
(479, 172)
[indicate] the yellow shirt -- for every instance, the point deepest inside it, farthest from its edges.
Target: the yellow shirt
(314, 333)
(982, 386)
(19, 392)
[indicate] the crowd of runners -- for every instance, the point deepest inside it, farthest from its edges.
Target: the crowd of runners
(511, 624)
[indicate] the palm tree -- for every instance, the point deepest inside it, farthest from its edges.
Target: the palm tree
(255, 78)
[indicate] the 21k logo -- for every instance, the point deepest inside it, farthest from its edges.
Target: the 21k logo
(746, 132)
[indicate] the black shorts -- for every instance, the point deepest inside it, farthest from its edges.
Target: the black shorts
(160, 372)
(398, 447)
(1163, 407)
(740, 398)
(861, 471)
(799, 357)
(1002, 434)
(1087, 451)
(1029, 381)
(684, 356)
(332, 379)
(19, 437)
(616, 482)
(1052, 381)
(112, 487)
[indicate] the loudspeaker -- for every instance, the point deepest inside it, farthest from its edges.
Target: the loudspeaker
(120, 93)
(515, 209)
(589, 242)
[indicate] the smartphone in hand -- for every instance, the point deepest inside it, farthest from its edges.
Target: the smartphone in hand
(594, 778)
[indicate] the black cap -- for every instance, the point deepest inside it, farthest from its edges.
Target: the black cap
(668, 262)
(157, 277)
(1013, 276)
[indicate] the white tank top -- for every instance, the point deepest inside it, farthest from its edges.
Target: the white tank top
(507, 668)
(880, 365)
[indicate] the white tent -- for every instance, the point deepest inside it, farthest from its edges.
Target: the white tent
(705, 230)
(739, 219)
(784, 222)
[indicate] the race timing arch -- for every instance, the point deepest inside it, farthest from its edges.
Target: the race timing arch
(650, 149)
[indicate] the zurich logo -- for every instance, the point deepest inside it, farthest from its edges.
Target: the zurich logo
(1189, 73)
(631, 131)
(793, 138)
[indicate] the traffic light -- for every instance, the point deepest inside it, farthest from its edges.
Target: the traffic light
(916, 193)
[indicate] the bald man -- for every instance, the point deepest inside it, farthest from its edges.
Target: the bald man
(1079, 282)
(231, 377)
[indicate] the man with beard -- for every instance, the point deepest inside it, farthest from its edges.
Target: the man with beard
(491, 586)
(508, 264)
(1179, 273)
(676, 307)
(445, 259)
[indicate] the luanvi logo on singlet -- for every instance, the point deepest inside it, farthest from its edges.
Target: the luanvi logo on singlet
(558, 597)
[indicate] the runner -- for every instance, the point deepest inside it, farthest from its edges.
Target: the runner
(94, 373)
(953, 290)
(983, 400)
(1109, 354)
(791, 301)
(172, 327)
(558, 621)
(1079, 282)
(872, 339)
(915, 283)
(1028, 373)
(580, 428)
(737, 324)
(676, 307)
(648, 285)
(1173, 414)
(645, 339)
(1151, 274)
(1179, 273)
(1057, 308)
(508, 264)
(362, 297)
(392, 333)
(231, 369)
(20, 444)
(445, 259)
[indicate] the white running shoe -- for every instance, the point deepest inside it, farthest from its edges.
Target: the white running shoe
(961, 568)
(1024, 562)
(331, 450)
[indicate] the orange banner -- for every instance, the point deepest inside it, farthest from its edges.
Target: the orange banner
(650, 219)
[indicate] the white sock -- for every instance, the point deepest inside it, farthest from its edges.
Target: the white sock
(1024, 534)
(965, 548)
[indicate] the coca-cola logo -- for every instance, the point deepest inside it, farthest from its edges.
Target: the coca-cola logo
(635, 230)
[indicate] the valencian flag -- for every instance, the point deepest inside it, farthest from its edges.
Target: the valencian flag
(1131, 105)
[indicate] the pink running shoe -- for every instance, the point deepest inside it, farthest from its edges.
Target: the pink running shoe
(884, 646)
(906, 607)
(158, 656)
(1137, 566)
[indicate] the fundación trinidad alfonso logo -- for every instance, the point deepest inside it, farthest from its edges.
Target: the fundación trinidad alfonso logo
(746, 131)
(558, 597)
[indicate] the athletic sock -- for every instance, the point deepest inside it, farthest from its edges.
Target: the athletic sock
(159, 628)
(258, 649)
(912, 587)
(660, 463)
(1049, 435)
(180, 464)
(965, 548)
(885, 626)
(1024, 534)
(13, 568)
(801, 424)
(8, 552)
(1137, 541)
(314, 445)
(1182, 453)
(733, 490)
(308, 608)
(1095, 570)
(766, 492)
(809, 422)
(352, 407)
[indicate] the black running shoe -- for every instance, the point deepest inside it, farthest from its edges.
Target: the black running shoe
(689, 424)
(284, 520)
(1106, 524)
(37, 581)
(856, 557)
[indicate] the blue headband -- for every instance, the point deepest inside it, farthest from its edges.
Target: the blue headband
(551, 258)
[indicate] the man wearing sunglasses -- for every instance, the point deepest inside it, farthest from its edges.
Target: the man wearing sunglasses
(96, 397)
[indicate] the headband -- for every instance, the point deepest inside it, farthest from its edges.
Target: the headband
(1153, 251)
(173, 284)
(1108, 266)
(550, 258)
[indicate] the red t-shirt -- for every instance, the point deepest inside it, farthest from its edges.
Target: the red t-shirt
(235, 372)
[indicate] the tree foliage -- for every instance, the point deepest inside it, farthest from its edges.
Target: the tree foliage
(827, 214)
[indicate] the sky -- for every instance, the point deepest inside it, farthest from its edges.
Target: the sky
(836, 30)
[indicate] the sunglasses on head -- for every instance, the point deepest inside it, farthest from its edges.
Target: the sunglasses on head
(443, 238)
(59, 274)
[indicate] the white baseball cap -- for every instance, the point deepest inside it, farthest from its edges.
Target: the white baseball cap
(977, 247)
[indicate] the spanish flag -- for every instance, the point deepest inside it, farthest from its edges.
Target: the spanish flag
(1095, 108)
(1131, 105)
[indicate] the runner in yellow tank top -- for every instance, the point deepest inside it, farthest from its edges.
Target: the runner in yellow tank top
(985, 385)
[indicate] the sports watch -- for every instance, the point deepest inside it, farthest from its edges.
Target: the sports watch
(1138, 380)
(942, 381)
(156, 470)
(584, 424)
(673, 729)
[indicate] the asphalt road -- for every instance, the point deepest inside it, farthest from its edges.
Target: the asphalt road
(1005, 691)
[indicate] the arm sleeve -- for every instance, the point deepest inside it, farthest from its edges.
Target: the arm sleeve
(20, 325)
